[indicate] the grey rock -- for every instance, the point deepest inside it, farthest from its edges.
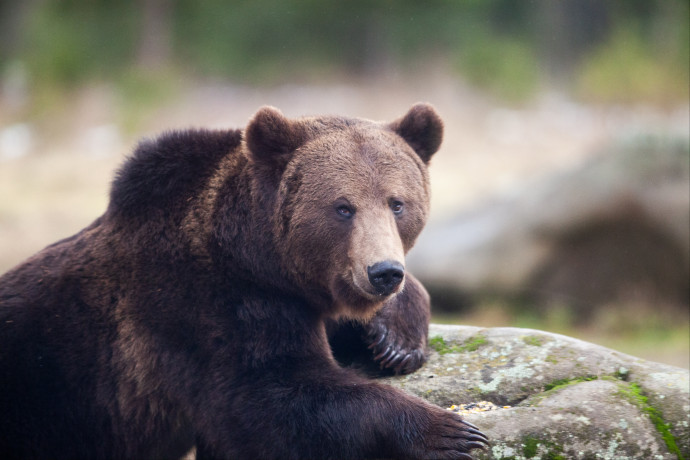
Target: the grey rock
(568, 399)
(590, 233)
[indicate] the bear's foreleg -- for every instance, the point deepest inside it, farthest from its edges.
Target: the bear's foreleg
(393, 341)
(318, 410)
(397, 335)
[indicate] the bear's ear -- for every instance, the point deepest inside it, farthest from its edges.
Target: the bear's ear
(422, 128)
(271, 137)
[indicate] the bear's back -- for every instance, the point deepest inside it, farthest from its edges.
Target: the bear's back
(162, 173)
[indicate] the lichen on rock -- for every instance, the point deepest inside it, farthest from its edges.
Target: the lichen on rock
(569, 399)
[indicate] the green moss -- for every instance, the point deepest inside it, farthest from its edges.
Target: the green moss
(533, 340)
(441, 346)
(472, 344)
(565, 382)
(635, 395)
(557, 385)
(551, 359)
(553, 456)
(531, 448)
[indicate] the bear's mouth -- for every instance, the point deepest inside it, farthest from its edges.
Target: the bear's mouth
(365, 288)
(354, 300)
(365, 285)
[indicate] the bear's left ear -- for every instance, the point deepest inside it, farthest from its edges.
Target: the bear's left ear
(422, 128)
(271, 137)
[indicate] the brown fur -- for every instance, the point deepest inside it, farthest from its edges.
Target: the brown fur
(198, 309)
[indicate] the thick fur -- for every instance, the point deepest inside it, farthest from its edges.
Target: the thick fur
(197, 310)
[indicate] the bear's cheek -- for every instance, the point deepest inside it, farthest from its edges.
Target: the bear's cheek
(316, 249)
(411, 225)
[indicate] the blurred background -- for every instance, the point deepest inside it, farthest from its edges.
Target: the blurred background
(561, 194)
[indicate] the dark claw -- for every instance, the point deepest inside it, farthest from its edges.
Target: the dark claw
(478, 433)
(401, 366)
(470, 425)
(391, 359)
(401, 357)
(382, 362)
(379, 341)
(477, 438)
(383, 353)
(395, 361)
(389, 355)
(416, 361)
(465, 457)
(476, 445)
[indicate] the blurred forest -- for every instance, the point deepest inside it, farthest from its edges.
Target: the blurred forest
(614, 50)
(541, 99)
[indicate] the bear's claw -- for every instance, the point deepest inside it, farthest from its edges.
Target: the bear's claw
(450, 437)
(389, 353)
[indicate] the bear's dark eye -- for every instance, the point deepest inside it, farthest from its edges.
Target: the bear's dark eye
(397, 207)
(345, 211)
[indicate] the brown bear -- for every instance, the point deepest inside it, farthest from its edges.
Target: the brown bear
(197, 310)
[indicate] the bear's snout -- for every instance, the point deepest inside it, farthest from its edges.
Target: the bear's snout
(386, 276)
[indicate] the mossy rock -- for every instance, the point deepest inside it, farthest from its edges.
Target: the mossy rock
(567, 399)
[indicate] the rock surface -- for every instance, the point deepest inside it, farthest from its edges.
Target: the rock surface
(568, 399)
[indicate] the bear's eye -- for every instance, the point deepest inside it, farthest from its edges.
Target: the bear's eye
(345, 211)
(397, 207)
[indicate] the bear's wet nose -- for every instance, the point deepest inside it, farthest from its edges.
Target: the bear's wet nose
(386, 276)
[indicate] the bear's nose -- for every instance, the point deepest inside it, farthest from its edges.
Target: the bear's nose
(386, 276)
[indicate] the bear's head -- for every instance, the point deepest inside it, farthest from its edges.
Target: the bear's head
(350, 196)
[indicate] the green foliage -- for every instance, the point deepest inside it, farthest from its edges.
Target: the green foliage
(141, 92)
(505, 67)
(500, 46)
(635, 64)
(69, 41)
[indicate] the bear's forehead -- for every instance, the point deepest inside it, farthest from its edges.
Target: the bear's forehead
(365, 143)
(361, 159)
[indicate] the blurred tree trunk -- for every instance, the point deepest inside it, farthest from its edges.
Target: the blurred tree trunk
(13, 15)
(570, 28)
(156, 34)
(371, 50)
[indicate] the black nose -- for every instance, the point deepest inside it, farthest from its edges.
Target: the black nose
(386, 276)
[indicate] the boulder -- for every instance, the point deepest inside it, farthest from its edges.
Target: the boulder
(613, 230)
(555, 397)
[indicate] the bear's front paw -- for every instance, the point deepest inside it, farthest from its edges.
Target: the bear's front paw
(391, 350)
(450, 437)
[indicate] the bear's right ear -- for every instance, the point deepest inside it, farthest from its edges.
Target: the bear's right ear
(271, 137)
